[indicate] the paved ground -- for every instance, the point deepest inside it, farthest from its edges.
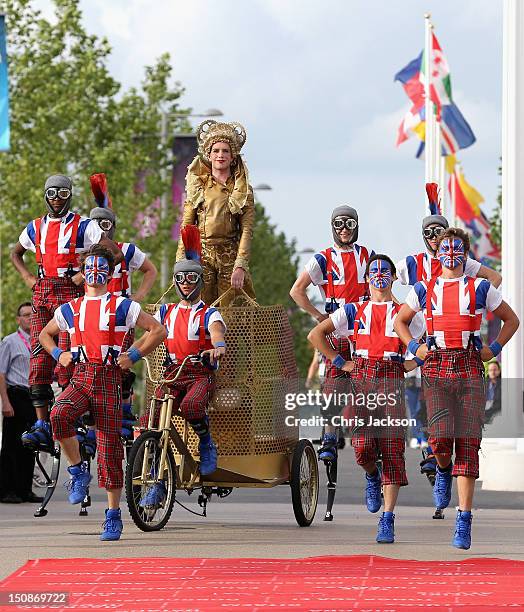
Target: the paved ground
(260, 523)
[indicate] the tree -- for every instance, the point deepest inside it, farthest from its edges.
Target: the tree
(69, 116)
(274, 266)
(496, 219)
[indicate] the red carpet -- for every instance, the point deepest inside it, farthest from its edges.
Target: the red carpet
(365, 583)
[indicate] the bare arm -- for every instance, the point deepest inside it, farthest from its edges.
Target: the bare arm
(148, 280)
(155, 334)
(216, 331)
(401, 326)
(17, 257)
(510, 324)
(7, 409)
(113, 247)
(318, 338)
(298, 293)
(489, 274)
(47, 340)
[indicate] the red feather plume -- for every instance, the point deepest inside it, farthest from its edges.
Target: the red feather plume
(191, 239)
(433, 198)
(100, 190)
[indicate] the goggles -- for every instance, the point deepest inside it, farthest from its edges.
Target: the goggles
(56, 193)
(105, 224)
(433, 232)
(344, 222)
(187, 277)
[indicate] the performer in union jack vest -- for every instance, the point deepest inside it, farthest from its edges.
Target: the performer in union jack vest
(120, 283)
(193, 328)
(377, 367)
(57, 239)
(97, 324)
(424, 266)
(453, 373)
(339, 272)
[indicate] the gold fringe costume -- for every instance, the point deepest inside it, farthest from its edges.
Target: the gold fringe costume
(223, 213)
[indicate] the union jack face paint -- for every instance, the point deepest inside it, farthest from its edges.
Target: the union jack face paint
(451, 253)
(96, 270)
(380, 274)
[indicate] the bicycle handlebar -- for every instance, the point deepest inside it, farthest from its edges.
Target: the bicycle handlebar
(164, 381)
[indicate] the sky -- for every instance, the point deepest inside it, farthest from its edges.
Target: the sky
(312, 82)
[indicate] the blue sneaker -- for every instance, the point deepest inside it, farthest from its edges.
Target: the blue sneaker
(154, 496)
(374, 492)
(39, 436)
(442, 488)
(462, 537)
(113, 526)
(208, 456)
(79, 483)
(328, 450)
(386, 528)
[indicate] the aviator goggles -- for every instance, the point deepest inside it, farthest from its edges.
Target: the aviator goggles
(344, 222)
(433, 232)
(105, 224)
(54, 193)
(189, 277)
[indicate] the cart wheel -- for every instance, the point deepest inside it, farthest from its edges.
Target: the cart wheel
(149, 518)
(304, 482)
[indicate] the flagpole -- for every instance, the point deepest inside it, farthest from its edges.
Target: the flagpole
(429, 135)
(442, 182)
(453, 215)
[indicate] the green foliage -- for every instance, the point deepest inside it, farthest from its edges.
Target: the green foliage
(69, 116)
(496, 219)
(274, 266)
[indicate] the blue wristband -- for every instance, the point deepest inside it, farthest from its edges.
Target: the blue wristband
(56, 352)
(495, 348)
(339, 362)
(134, 354)
(418, 361)
(413, 346)
(220, 345)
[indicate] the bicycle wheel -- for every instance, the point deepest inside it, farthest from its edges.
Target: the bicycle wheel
(304, 483)
(155, 516)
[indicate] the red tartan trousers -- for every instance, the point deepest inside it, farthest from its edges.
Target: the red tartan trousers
(372, 377)
(95, 388)
(192, 391)
(454, 390)
(48, 295)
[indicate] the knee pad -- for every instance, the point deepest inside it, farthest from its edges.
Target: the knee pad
(128, 379)
(41, 395)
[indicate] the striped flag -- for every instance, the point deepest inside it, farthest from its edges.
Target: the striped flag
(455, 130)
(4, 93)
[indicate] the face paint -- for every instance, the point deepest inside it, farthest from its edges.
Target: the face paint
(96, 270)
(451, 253)
(380, 274)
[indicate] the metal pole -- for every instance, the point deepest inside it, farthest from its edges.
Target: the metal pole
(428, 159)
(164, 266)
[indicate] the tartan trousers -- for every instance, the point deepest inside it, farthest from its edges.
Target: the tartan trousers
(48, 295)
(192, 391)
(95, 388)
(453, 382)
(370, 377)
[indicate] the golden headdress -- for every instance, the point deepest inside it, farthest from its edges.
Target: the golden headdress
(209, 132)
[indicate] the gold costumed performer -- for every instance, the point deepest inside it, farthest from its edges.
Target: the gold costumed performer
(220, 203)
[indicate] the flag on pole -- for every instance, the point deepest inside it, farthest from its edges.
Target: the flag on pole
(455, 130)
(4, 93)
(467, 198)
(482, 245)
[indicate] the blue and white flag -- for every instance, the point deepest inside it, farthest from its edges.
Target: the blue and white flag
(4, 92)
